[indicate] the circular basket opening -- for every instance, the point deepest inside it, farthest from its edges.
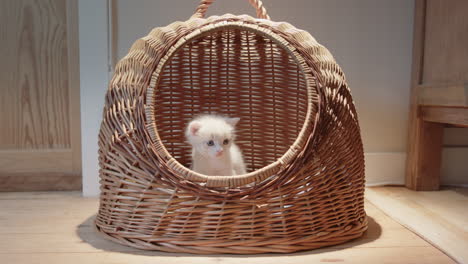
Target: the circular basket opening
(235, 71)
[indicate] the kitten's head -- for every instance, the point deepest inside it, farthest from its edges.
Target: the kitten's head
(211, 135)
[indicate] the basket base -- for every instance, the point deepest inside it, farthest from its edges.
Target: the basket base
(245, 246)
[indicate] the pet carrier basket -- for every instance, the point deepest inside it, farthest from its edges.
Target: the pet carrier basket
(298, 131)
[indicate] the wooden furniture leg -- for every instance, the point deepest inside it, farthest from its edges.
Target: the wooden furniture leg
(424, 155)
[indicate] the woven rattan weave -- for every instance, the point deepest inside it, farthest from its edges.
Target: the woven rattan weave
(299, 134)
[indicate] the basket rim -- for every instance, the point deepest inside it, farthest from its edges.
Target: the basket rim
(307, 131)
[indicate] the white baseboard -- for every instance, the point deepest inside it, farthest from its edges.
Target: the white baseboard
(455, 166)
(388, 168)
(385, 168)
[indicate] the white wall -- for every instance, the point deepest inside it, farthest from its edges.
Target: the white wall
(370, 39)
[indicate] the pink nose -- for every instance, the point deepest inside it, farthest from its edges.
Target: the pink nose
(219, 153)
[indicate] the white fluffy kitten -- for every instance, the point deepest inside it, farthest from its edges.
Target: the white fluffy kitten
(213, 148)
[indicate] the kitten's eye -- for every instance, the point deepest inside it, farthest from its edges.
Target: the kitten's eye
(226, 141)
(210, 143)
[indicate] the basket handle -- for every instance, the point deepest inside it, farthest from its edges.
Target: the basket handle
(204, 4)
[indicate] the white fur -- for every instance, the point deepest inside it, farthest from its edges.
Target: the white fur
(219, 159)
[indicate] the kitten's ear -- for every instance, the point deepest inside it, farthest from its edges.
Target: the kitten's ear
(232, 121)
(194, 127)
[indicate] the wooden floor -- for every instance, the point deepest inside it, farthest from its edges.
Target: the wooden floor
(441, 217)
(57, 228)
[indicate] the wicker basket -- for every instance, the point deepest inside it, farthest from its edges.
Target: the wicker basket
(299, 134)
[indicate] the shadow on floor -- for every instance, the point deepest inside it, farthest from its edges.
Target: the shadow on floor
(86, 231)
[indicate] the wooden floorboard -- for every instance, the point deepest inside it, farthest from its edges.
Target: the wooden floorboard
(56, 227)
(441, 217)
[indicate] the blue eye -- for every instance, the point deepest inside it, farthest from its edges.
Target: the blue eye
(226, 141)
(210, 143)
